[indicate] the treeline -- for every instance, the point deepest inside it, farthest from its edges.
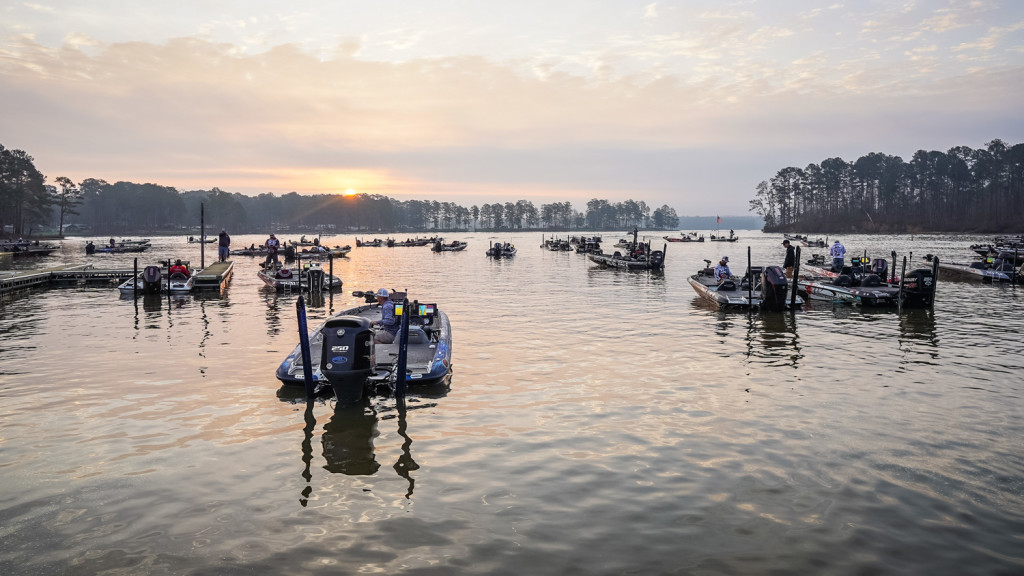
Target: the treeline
(961, 190)
(98, 207)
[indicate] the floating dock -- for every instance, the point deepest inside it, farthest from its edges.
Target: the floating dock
(77, 274)
(215, 276)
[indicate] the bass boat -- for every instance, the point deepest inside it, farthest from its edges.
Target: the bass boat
(769, 291)
(344, 356)
(310, 276)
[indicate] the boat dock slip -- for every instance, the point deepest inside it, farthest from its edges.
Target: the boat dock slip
(18, 279)
(215, 276)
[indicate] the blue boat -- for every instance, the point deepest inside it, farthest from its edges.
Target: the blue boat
(345, 357)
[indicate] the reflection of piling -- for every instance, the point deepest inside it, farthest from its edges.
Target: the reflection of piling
(135, 282)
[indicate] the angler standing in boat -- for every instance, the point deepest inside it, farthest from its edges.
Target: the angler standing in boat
(790, 260)
(838, 252)
(388, 323)
(223, 247)
(272, 245)
(722, 271)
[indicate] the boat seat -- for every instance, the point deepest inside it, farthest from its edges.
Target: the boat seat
(844, 280)
(417, 335)
(870, 281)
(727, 285)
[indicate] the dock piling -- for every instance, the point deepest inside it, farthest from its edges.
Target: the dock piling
(796, 274)
(307, 362)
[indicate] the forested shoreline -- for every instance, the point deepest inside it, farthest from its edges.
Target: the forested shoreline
(960, 190)
(95, 206)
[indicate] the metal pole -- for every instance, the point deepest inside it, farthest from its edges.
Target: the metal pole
(403, 350)
(903, 275)
(307, 362)
(750, 283)
(796, 274)
(202, 235)
(135, 279)
(892, 277)
(935, 280)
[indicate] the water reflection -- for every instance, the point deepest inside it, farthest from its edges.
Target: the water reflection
(348, 440)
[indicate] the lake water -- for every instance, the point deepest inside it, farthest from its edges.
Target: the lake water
(598, 422)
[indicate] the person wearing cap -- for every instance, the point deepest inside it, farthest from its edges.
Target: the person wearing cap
(272, 245)
(722, 271)
(223, 249)
(388, 324)
(838, 252)
(790, 260)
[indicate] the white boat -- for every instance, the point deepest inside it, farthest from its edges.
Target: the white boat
(310, 275)
(737, 293)
(154, 280)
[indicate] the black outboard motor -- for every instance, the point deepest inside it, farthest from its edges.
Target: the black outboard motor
(289, 253)
(152, 278)
(918, 288)
(880, 268)
(773, 289)
(316, 279)
(347, 356)
(657, 259)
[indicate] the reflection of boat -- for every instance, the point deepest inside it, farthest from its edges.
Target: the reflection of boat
(311, 275)
(344, 355)
(770, 289)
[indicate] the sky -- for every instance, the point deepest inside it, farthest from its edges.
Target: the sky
(686, 103)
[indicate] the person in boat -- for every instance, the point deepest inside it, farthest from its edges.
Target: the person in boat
(722, 271)
(178, 268)
(316, 241)
(272, 245)
(113, 243)
(224, 245)
(387, 326)
(838, 252)
(790, 260)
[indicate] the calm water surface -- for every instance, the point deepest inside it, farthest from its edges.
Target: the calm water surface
(598, 422)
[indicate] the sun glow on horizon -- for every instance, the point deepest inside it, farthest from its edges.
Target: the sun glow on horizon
(349, 192)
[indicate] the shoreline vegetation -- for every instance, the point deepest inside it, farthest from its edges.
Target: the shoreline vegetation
(962, 190)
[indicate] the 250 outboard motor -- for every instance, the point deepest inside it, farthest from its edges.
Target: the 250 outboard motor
(773, 289)
(347, 356)
(152, 278)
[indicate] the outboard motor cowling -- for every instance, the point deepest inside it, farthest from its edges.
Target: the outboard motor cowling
(152, 278)
(918, 287)
(657, 259)
(347, 356)
(880, 267)
(773, 289)
(316, 279)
